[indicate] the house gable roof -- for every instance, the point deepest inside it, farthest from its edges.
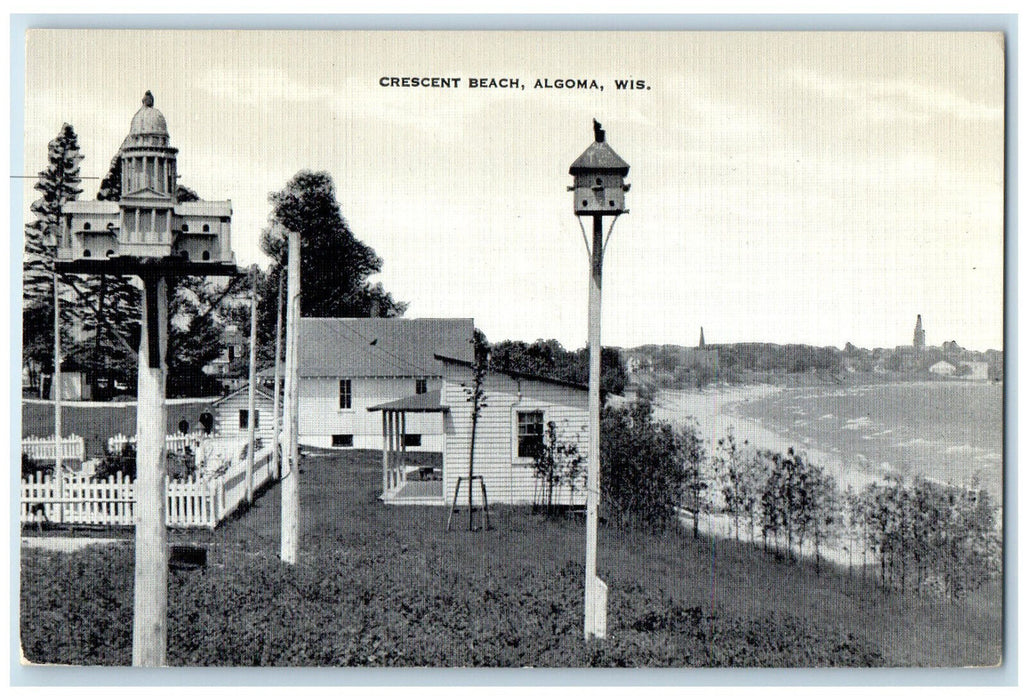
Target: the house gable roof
(516, 375)
(382, 347)
(258, 392)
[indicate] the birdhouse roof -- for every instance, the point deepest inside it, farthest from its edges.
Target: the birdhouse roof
(599, 156)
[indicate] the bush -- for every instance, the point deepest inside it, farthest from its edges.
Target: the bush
(113, 463)
(557, 463)
(644, 466)
(30, 466)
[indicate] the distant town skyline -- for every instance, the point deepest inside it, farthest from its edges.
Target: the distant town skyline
(816, 188)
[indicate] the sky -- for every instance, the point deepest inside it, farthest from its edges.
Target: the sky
(798, 187)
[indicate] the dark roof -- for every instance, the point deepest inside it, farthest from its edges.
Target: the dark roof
(418, 403)
(258, 392)
(382, 347)
(518, 375)
(599, 156)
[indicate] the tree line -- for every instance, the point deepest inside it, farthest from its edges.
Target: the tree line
(910, 535)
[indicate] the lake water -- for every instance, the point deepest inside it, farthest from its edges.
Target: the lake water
(947, 431)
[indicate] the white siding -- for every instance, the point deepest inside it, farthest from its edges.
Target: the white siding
(226, 416)
(507, 478)
(321, 417)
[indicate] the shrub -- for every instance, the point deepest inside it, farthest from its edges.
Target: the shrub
(557, 463)
(115, 462)
(30, 466)
(643, 467)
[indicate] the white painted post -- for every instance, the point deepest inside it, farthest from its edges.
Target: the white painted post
(276, 424)
(595, 589)
(251, 421)
(58, 462)
(150, 612)
(290, 478)
(385, 453)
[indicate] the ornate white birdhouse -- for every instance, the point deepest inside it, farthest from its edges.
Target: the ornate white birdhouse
(148, 225)
(599, 178)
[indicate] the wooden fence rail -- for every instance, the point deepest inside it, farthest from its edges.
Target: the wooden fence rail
(175, 443)
(72, 447)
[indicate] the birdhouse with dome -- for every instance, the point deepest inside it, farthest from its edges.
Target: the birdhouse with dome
(148, 225)
(599, 178)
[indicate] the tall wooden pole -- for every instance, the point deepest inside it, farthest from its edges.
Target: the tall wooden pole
(56, 384)
(595, 589)
(275, 422)
(251, 419)
(291, 473)
(150, 612)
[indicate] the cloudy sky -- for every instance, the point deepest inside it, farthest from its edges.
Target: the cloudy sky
(786, 187)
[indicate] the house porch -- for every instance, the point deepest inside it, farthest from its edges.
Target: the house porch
(409, 478)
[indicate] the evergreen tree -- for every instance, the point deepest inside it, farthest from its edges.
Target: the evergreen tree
(58, 184)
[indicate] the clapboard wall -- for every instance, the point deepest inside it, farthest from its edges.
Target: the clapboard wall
(508, 478)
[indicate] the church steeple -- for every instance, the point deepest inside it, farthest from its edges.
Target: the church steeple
(702, 342)
(918, 334)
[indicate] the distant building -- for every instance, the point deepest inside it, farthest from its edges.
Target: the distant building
(700, 356)
(227, 367)
(231, 414)
(977, 371)
(918, 335)
(942, 369)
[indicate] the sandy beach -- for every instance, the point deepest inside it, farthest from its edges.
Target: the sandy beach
(712, 410)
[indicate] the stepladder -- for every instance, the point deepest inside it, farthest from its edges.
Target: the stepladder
(469, 482)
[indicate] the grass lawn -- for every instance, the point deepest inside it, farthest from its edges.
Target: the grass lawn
(381, 585)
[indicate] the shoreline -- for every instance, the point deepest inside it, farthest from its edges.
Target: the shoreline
(712, 410)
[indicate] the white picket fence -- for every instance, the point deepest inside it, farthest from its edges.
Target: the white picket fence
(175, 443)
(192, 502)
(72, 447)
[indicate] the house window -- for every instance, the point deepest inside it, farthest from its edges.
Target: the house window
(412, 440)
(345, 394)
(231, 353)
(342, 440)
(420, 386)
(530, 433)
(244, 417)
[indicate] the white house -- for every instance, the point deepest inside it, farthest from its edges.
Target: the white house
(942, 369)
(518, 408)
(347, 365)
(231, 414)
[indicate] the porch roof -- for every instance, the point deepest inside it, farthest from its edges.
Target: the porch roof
(428, 402)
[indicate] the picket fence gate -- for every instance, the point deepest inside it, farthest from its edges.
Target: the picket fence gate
(72, 447)
(192, 502)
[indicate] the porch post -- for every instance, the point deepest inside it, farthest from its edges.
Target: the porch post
(385, 454)
(403, 446)
(392, 451)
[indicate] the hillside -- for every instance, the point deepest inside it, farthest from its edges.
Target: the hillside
(389, 586)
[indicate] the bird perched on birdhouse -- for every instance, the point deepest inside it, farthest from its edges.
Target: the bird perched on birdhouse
(599, 178)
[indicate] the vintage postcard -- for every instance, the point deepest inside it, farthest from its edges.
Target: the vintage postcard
(512, 349)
